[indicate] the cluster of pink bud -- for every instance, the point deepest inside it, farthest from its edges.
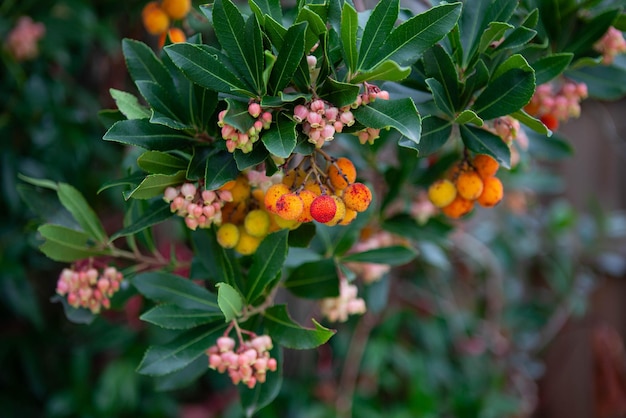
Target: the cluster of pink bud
(200, 208)
(611, 45)
(86, 288)
(509, 129)
(562, 104)
(371, 272)
(236, 139)
(347, 303)
(248, 364)
(260, 180)
(320, 120)
(22, 40)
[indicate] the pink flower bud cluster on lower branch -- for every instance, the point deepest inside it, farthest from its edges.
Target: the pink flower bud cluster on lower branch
(347, 303)
(86, 288)
(200, 209)
(247, 364)
(22, 40)
(236, 139)
(563, 103)
(611, 45)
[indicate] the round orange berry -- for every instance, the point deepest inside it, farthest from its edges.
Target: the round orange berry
(176, 35)
(459, 207)
(341, 173)
(357, 196)
(441, 193)
(323, 208)
(272, 194)
(176, 9)
(289, 206)
(307, 197)
(154, 19)
(247, 244)
(550, 121)
(492, 192)
(241, 190)
(348, 217)
(485, 165)
(469, 185)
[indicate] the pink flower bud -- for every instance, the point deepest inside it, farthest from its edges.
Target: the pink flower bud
(103, 284)
(311, 61)
(225, 343)
(383, 95)
(328, 133)
(331, 114)
(317, 106)
(272, 365)
(231, 145)
(188, 190)
(62, 287)
(300, 113)
(258, 126)
(106, 303)
(170, 194)
(315, 119)
(214, 361)
(251, 382)
(347, 118)
(254, 109)
(338, 126)
(228, 131)
(192, 223)
(208, 196)
(72, 299)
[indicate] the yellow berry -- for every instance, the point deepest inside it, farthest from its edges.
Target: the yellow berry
(272, 194)
(339, 213)
(294, 177)
(154, 19)
(485, 165)
(257, 223)
(469, 184)
(323, 208)
(247, 243)
(241, 189)
(289, 206)
(458, 207)
(285, 223)
(357, 196)
(493, 192)
(176, 9)
(341, 173)
(307, 197)
(228, 235)
(441, 193)
(348, 217)
(313, 186)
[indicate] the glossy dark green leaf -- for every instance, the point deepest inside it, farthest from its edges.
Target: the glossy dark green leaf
(206, 67)
(533, 123)
(288, 333)
(183, 377)
(246, 160)
(474, 82)
(494, 32)
(175, 317)
(144, 65)
(314, 280)
(266, 7)
(519, 37)
(164, 103)
(482, 141)
(315, 26)
(385, 71)
(468, 116)
(275, 32)
(349, 29)
(589, 32)
(438, 65)
(302, 235)
(67, 245)
(214, 258)
(169, 288)
(338, 93)
(129, 105)
(400, 114)
(221, 167)
(553, 148)
(157, 162)
(197, 166)
(157, 212)
(435, 133)
(229, 301)
(603, 82)
(142, 133)
(394, 256)
(408, 41)
(551, 66)
(280, 139)
(184, 349)
(289, 57)
(441, 97)
(86, 217)
(154, 185)
(131, 180)
(377, 29)
(267, 263)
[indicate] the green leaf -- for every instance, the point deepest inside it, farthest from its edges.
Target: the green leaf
(385, 71)
(280, 139)
(551, 66)
(314, 280)
(182, 377)
(494, 32)
(157, 212)
(396, 255)
(207, 68)
(603, 82)
(46, 184)
(275, 32)
(76, 204)
(213, 257)
(175, 317)
(438, 65)
(144, 65)
(476, 81)
(267, 263)
(154, 185)
(266, 7)
(588, 33)
(142, 133)
(229, 301)
(552, 149)
(165, 105)
(517, 38)
(169, 288)
(75, 315)
(131, 180)
(440, 96)
(482, 141)
(129, 105)
(338, 93)
(467, 116)
(315, 26)
(302, 235)
(184, 349)
(507, 93)
(289, 57)
(257, 156)
(435, 133)
(408, 41)
(377, 29)
(67, 245)
(221, 167)
(349, 29)
(241, 41)
(288, 333)
(197, 166)
(252, 400)
(400, 114)
(157, 162)
(533, 123)
(238, 116)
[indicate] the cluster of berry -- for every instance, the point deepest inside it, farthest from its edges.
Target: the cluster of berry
(236, 139)
(347, 303)
(611, 45)
(248, 364)
(22, 40)
(85, 287)
(552, 107)
(331, 197)
(468, 182)
(201, 209)
(157, 16)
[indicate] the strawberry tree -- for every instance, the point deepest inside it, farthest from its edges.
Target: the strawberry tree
(274, 145)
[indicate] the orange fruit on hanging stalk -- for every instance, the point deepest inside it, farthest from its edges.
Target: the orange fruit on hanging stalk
(176, 35)
(154, 19)
(323, 208)
(485, 165)
(289, 206)
(341, 173)
(357, 196)
(459, 207)
(176, 9)
(469, 185)
(307, 197)
(340, 213)
(492, 192)
(272, 194)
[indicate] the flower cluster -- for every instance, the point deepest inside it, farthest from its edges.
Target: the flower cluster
(611, 45)
(248, 364)
(553, 106)
(347, 303)
(85, 287)
(509, 130)
(22, 40)
(199, 208)
(236, 139)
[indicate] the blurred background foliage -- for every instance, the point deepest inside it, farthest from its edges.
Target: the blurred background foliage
(460, 333)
